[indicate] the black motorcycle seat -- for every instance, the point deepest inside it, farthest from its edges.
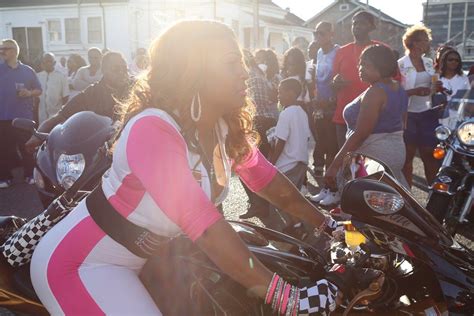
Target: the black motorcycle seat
(22, 282)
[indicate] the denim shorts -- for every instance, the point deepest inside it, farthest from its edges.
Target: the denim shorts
(421, 128)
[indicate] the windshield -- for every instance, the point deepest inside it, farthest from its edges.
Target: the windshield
(459, 109)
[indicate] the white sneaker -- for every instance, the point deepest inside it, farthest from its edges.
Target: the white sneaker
(320, 196)
(331, 198)
(304, 190)
(5, 184)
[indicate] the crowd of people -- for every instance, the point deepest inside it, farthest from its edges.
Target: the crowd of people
(61, 89)
(188, 122)
(389, 115)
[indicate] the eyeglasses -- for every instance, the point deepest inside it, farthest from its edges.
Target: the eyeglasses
(454, 59)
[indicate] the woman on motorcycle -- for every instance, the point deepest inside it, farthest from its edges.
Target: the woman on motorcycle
(187, 127)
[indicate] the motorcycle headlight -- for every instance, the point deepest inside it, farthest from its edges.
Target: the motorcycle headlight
(383, 202)
(442, 133)
(466, 133)
(69, 168)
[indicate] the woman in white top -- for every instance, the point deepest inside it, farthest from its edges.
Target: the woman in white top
(451, 74)
(416, 74)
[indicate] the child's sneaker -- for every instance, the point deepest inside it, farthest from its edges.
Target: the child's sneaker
(29, 180)
(332, 198)
(320, 196)
(5, 184)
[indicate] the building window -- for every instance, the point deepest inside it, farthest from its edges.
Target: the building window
(94, 30)
(73, 31)
(343, 7)
(54, 31)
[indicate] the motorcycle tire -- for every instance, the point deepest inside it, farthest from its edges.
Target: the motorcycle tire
(438, 205)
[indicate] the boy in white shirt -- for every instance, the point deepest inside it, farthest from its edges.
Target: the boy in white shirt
(290, 153)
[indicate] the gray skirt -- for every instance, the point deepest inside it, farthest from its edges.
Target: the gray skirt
(389, 148)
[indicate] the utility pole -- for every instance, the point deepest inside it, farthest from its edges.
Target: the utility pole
(215, 9)
(256, 24)
(464, 30)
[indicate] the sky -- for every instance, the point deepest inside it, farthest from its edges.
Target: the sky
(406, 11)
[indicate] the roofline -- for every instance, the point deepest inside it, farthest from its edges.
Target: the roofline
(320, 13)
(358, 5)
(376, 14)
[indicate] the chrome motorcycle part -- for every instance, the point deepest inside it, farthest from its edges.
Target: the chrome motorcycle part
(448, 158)
(39, 181)
(465, 133)
(442, 133)
(466, 207)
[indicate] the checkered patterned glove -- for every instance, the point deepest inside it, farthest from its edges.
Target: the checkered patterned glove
(319, 299)
(18, 248)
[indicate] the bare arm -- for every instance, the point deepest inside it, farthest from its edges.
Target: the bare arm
(285, 196)
(371, 104)
(276, 152)
(225, 248)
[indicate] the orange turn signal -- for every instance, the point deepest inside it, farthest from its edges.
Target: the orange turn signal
(439, 153)
(442, 187)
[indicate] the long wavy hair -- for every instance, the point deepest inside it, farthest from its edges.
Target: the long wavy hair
(178, 62)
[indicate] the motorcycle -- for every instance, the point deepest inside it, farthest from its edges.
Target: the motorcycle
(452, 193)
(66, 151)
(425, 270)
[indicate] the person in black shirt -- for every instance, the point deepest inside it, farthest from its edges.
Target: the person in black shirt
(99, 98)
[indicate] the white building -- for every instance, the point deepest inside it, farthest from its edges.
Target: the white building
(72, 26)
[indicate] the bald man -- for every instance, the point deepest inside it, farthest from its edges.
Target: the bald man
(55, 88)
(18, 87)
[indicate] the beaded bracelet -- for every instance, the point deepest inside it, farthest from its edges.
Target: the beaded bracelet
(297, 302)
(291, 302)
(271, 288)
(284, 299)
(283, 296)
(277, 295)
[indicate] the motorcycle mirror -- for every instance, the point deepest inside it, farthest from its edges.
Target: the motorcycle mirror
(24, 124)
(357, 165)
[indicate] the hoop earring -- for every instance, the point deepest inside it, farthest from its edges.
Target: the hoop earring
(196, 116)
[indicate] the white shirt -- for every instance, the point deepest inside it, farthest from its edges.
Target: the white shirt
(416, 103)
(83, 78)
(293, 128)
(410, 78)
(456, 83)
(55, 87)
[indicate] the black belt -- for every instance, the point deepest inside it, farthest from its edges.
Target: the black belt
(138, 240)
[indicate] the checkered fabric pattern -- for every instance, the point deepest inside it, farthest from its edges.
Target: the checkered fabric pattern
(19, 248)
(259, 93)
(319, 299)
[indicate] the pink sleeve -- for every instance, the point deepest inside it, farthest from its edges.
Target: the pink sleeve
(256, 171)
(157, 156)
